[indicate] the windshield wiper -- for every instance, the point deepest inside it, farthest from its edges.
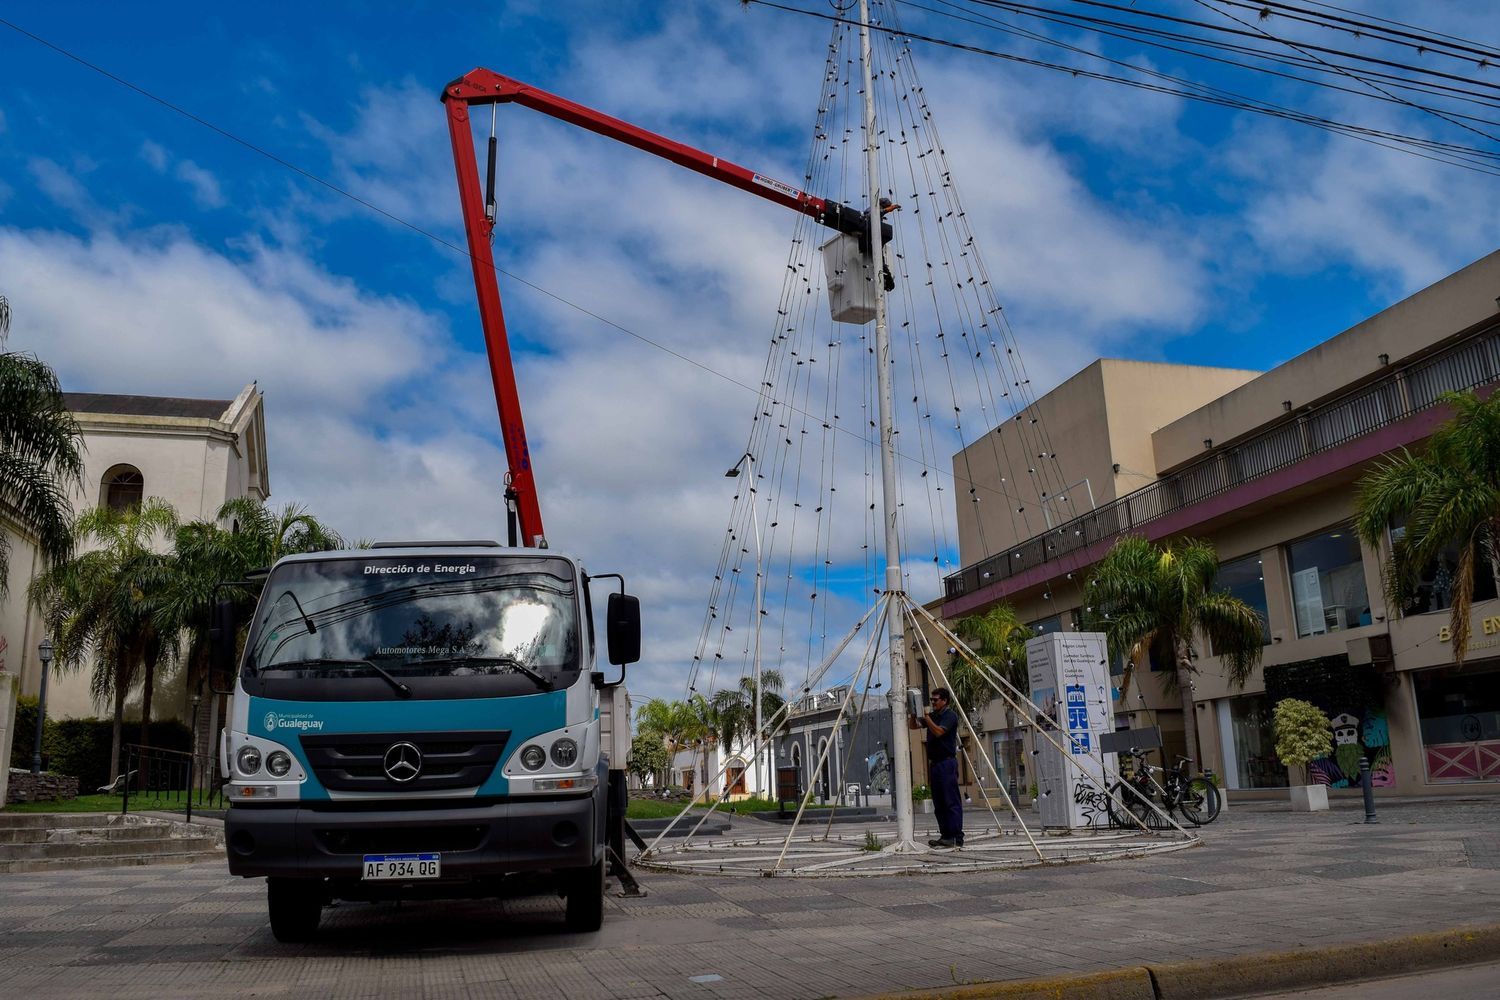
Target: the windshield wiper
(542, 680)
(395, 682)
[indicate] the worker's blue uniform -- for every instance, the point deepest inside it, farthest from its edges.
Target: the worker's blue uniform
(942, 776)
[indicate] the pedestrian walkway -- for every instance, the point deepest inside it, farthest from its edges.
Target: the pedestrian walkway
(1262, 881)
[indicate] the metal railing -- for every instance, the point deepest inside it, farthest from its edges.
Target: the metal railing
(1407, 390)
(170, 781)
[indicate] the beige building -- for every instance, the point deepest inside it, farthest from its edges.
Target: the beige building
(193, 453)
(1265, 466)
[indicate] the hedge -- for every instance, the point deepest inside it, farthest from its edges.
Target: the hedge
(80, 747)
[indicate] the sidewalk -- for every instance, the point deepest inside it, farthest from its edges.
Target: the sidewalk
(1265, 880)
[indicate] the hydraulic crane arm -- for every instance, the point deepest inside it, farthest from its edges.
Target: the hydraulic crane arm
(480, 87)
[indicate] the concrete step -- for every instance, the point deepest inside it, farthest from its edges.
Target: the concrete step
(53, 821)
(107, 848)
(86, 834)
(45, 841)
(196, 857)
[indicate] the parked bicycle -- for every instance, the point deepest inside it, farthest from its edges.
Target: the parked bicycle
(1140, 795)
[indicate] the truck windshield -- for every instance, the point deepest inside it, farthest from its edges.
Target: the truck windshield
(430, 627)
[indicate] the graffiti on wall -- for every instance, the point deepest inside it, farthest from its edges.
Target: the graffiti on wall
(1093, 802)
(1365, 733)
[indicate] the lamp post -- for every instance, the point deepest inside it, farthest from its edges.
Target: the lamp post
(44, 650)
(748, 460)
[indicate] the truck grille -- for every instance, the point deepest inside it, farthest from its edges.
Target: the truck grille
(445, 839)
(355, 762)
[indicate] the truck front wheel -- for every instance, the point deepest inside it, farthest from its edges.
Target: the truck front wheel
(296, 906)
(585, 893)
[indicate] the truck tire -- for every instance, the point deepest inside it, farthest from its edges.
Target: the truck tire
(585, 894)
(296, 906)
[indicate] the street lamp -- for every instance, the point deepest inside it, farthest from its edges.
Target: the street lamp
(44, 650)
(748, 460)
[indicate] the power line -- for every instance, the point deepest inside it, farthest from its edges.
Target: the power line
(1449, 153)
(1423, 43)
(1144, 34)
(1353, 76)
(1248, 31)
(1009, 28)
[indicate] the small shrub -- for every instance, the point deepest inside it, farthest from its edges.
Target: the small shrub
(872, 842)
(921, 793)
(1303, 733)
(23, 736)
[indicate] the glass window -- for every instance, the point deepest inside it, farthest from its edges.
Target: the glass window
(1328, 582)
(1434, 587)
(1245, 579)
(1458, 709)
(123, 488)
(1047, 625)
(465, 626)
(1254, 743)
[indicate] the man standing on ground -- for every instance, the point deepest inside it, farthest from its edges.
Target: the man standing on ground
(942, 769)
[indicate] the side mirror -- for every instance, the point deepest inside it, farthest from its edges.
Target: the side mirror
(623, 628)
(222, 628)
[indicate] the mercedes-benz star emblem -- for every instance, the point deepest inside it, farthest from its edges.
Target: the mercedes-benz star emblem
(403, 762)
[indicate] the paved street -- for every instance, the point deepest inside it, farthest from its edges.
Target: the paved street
(1264, 880)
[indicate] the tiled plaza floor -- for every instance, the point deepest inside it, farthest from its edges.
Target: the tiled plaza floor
(1263, 880)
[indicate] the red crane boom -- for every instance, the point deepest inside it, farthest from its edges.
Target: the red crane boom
(482, 86)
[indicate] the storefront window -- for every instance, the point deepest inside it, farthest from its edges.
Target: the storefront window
(1245, 579)
(1434, 585)
(1255, 743)
(1047, 625)
(1458, 709)
(1328, 582)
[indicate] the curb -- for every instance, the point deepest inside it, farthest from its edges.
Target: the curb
(1246, 975)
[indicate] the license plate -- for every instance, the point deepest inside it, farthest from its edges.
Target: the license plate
(400, 867)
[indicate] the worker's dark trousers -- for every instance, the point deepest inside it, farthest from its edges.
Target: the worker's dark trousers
(943, 776)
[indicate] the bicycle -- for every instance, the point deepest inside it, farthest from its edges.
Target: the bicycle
(1137, 797)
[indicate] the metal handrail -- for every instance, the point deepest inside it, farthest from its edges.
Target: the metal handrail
(1408, 390)
(170, 780)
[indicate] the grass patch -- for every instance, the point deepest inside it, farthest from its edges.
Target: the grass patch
(139, 802)
(82, 804)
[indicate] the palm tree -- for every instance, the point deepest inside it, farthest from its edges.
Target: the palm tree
(704, 729)
(735, 711)
(208, 554)
(103, 602)
(674, 721)
(40, 453)
(1149, 598)
(1448, 493)
(998, 637)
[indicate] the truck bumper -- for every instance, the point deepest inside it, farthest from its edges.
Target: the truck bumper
(476, 841)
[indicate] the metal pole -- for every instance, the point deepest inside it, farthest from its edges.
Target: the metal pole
(1368, 787)
(44, 650)
(761, 788)
(896, 696)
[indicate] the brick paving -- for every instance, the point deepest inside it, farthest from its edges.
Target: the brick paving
(1265, 879)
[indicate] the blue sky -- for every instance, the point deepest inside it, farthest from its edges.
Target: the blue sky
(145, 254)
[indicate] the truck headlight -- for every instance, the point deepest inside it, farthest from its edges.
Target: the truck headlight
(248, 760)
(564, 752)
(533, 757)
(279, 763)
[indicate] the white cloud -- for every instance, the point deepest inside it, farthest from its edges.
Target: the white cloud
(204, 185)
(155, 156)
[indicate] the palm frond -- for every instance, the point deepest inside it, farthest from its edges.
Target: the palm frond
(1236, 632)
